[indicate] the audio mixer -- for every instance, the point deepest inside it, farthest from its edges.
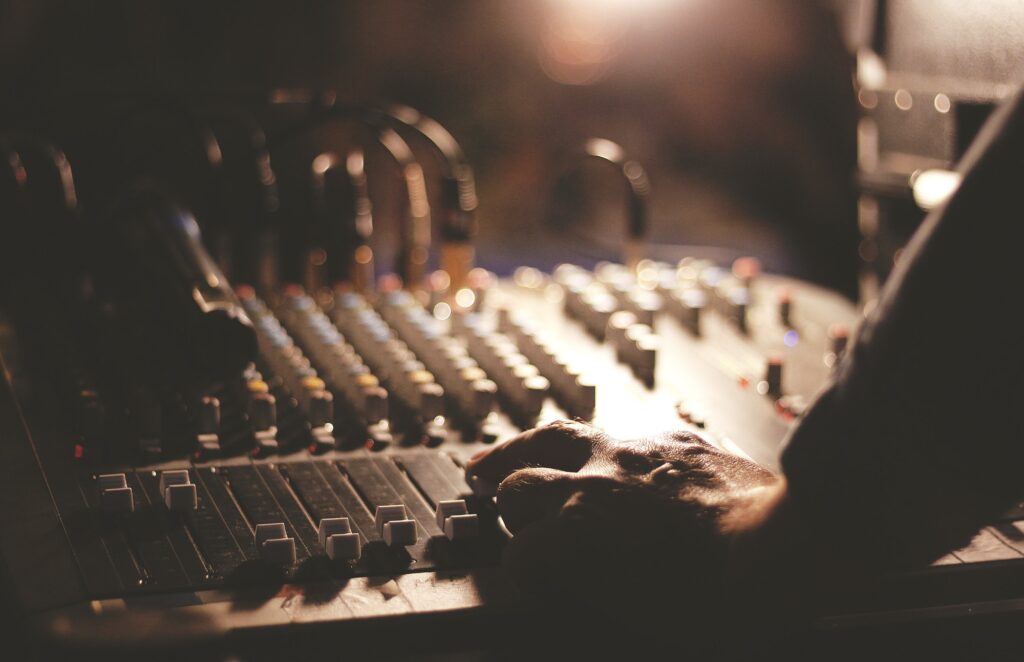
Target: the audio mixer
(185, 458)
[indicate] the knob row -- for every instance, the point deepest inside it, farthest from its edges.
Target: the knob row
(519, 381)
(406, 377)
(393, 524)
(625, 318)
(622, 284)
(338, 363)
(573, 391)
(635, 344)
(586, 300)
(459, 374)
(297, 374)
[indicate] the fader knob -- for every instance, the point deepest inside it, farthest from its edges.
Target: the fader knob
(839, 336)
(646, 305)
(619, 321)
(115, 495)
(274, 544)
(746, 269)
(262, 411)
(691, 301)
(586, 396)
(536, 389)
(456, 521)
(738, 301)
(376, 404)
(395, 526)
(785, 308)
(524, 371)
(338, 539)
(484, 394)
(596, 316)
(773, 376)
(208, 425)
(646, 359)
(179, 493)
(321, 408)
(431, 400)
(208, 419)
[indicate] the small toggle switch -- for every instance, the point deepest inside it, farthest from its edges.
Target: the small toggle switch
(395, 526)
(274, 545)
(839, 336)
(456, 521)
(773, 375)
(338, 540)
(178, 491)
(786, 308)
(115, 495)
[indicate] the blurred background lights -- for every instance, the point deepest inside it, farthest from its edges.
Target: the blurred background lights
(582, 37)
(933, 187)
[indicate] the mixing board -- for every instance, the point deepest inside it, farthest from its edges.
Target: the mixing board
(335, 458)
(186, 459)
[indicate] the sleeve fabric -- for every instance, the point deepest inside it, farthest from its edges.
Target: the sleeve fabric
(918, 441)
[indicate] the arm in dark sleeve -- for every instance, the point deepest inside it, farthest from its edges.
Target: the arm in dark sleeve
(918, 442)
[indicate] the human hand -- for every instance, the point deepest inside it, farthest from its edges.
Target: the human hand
(649, 524)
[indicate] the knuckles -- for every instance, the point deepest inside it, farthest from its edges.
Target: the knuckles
(566, 430)
(643, 457)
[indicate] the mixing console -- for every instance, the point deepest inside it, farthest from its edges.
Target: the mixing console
(337, 453)
(227, 458)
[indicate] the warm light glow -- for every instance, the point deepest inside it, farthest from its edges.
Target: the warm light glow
(933, 187)
(364, 255)
(465, 298)
(582, 37)
(605, 149)
(903, 99)
(617, 6)
(323, 162)
(528, 277)
(355, 163)
(442, 311)
(440, 281)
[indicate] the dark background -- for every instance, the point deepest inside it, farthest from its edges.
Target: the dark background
(743, 111)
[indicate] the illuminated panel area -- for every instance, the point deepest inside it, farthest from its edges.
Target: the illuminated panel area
(339, 452)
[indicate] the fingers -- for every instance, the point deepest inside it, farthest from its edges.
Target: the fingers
(562, 550)
(541, 558)
(530, 495)
(562, 445)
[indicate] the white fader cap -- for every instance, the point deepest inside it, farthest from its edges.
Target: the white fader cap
(274, 545)
(394, 525)
(178, 491)
(456, 521)
(115, 495)
(338, 539)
